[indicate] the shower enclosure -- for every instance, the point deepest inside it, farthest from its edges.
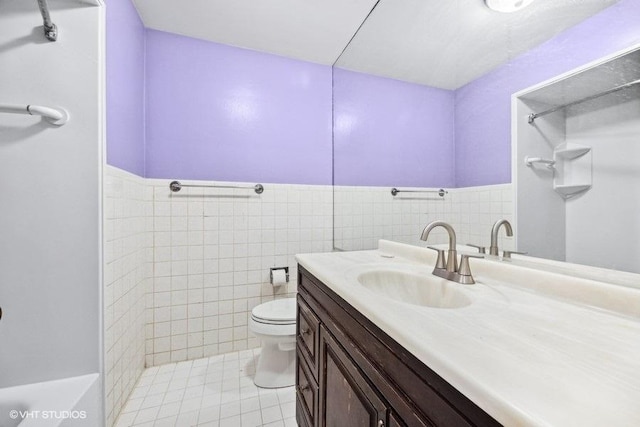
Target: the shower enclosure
(50, 212)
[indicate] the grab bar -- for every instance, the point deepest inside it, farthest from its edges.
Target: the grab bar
(441, 192)
(55, 116)
(50, 29)
(176, 186)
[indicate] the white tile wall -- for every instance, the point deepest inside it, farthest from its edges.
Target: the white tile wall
(474, 210)
(183, 270)
(363, 215)
(127, 247)
(213, 249)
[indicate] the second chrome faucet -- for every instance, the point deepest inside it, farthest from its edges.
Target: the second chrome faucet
(447, 266)
(493, 249)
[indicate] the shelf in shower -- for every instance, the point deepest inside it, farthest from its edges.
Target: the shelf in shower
(571, 190)
(570, 151)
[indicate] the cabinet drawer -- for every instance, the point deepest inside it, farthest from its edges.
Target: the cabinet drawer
(308, 334)
(306, 391)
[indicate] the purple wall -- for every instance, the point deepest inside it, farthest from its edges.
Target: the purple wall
(483, 107)
(125, 87)
(216, 112)
(391, 133)
(223, 113)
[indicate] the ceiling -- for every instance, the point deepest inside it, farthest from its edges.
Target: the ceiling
(441, 43)
(447, 44)
(310, 30)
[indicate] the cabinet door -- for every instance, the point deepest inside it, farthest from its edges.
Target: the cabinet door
(346, 398)
(394, 421)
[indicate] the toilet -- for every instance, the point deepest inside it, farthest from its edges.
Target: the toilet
(274, 323)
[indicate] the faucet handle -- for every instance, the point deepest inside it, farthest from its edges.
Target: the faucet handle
(507, 254)
(481, 249)
(440, 262)
(464, 272)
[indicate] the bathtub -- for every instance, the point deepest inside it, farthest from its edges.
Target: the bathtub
(69, 402)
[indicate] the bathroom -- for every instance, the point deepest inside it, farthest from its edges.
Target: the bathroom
(126, 303)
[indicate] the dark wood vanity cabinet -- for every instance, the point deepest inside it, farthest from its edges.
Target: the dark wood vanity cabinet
(350, 373)
(352, 401)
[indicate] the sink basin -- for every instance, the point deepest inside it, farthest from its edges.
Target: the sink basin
(413, 288)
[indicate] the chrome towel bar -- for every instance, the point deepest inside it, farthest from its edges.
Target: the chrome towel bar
(176, 186)
(441, 192)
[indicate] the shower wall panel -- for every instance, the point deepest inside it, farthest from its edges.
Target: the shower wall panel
(50, 246)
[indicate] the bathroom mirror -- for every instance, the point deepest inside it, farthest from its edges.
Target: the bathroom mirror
(423, 99)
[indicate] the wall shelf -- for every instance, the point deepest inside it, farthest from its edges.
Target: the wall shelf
(572, 175)
(571, 190)
(569, 151)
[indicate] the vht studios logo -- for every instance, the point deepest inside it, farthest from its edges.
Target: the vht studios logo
(48, 415)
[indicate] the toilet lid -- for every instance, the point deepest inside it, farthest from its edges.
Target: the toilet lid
(281, 311)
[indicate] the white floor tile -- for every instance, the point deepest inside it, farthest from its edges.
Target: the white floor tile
(249, 392)
(163, 378)
(267, 400)
(290, 422)
(229, 396)
(157, 388)
(230, 409)
(209, 414)
(152, 401)
(139, 392)
(211, 392)
(231, 422)
(249, 405)
(251, 419)
(187, 419)
(178, 383)
(191, 404)
(288, 409)
(286, 394)
(271, 414)
(212, 399)
(126, 420)
(133, 405)
(166, 422)
(150, 372)
(173, 396)
(169, 409)
(146, 415)
(194, 391)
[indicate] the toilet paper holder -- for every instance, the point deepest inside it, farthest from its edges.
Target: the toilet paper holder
(286, 272)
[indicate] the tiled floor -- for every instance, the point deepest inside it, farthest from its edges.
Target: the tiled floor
(214, 392)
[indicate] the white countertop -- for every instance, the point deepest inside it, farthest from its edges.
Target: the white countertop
(534, 348)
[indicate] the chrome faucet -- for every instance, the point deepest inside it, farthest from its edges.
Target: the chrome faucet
(493, 249)
(448, 268)
(452, 255)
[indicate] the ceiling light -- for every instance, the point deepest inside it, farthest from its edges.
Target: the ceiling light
(507, 6)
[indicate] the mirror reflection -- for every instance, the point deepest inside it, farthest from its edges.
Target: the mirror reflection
(432, 95)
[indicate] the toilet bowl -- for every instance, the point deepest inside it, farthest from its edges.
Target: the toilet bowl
(274, 323)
